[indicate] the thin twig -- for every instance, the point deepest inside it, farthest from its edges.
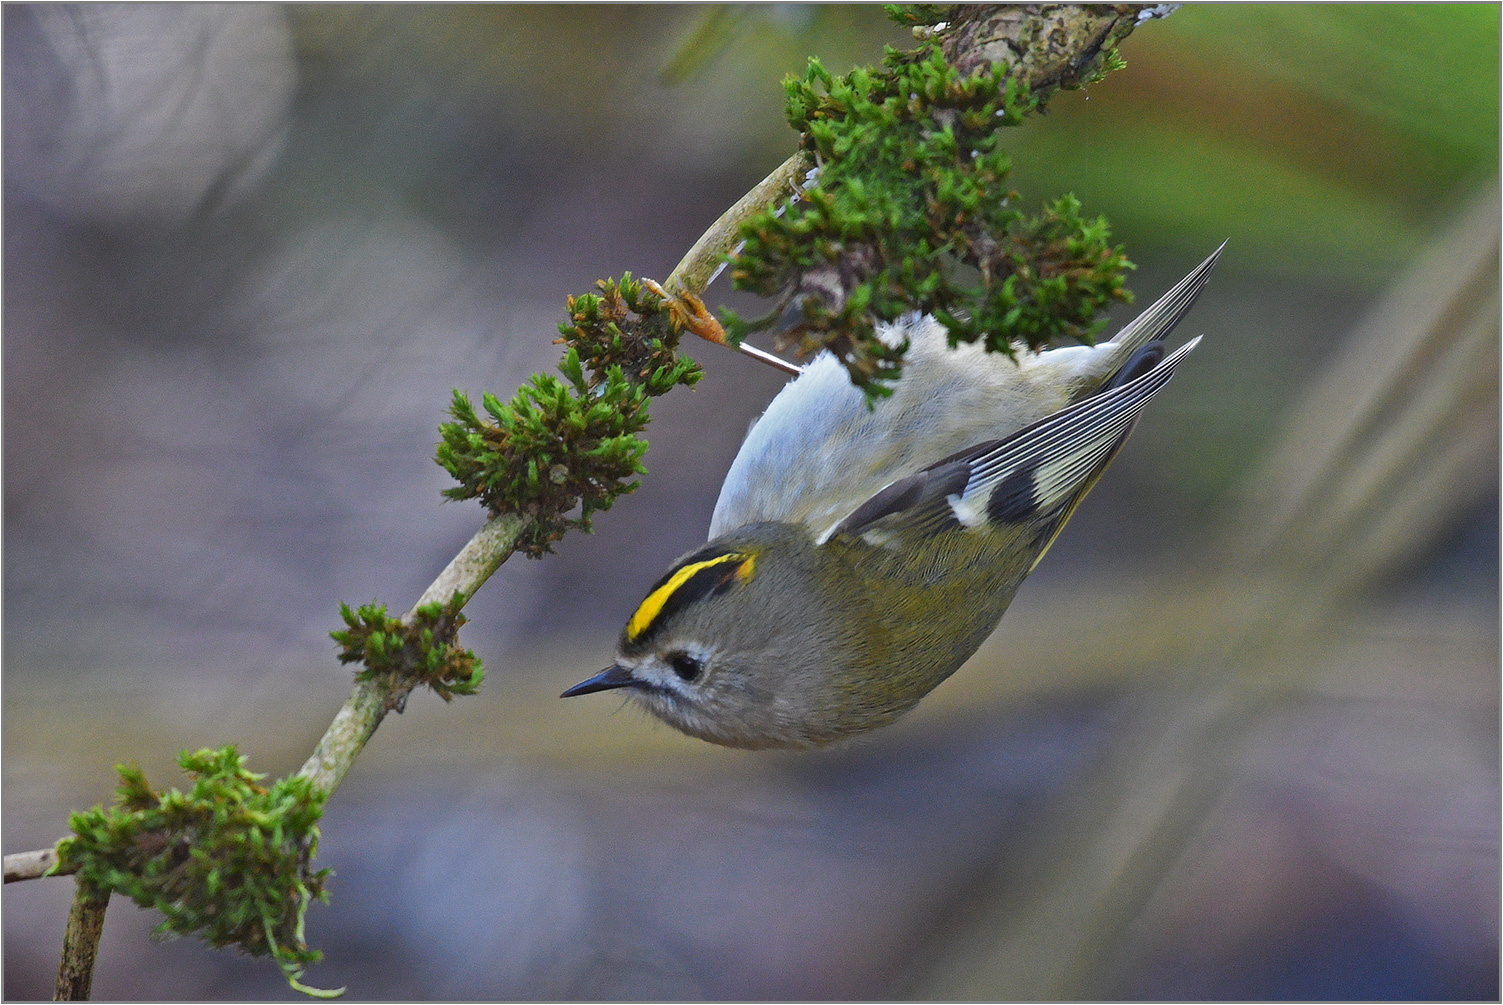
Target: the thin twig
(75, 973)
(481, 556)
(354, 724)
(699, 266)
(369, 702)
(704, 261)
(29, 864)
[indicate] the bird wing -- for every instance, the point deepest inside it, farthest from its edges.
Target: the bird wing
(1037, 475)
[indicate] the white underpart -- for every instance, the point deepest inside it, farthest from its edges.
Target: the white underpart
(818, 452)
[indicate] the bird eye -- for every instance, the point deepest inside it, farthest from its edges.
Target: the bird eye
(689, 668)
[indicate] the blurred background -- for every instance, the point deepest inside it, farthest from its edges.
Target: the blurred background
(1238, 737)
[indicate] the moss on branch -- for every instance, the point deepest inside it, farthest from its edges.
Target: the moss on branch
(558, 445)
(229, 861)
(910, 211)
(420, 650)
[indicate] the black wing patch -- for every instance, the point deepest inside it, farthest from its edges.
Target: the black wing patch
(1015, 498)
(1044, 470)
(1142, 361)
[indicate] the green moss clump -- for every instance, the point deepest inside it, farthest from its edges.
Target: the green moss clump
(910, 211)
(627, 325)
(421, 653)
(561, 444)
(230, 860)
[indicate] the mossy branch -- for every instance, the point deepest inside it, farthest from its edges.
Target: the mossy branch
(230, 860)
(1041, 47)
(564, 445)
(910, 210)
(556, 446)
(419, 649)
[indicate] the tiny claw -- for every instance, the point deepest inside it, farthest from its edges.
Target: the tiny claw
(701, 322)
(689, 313)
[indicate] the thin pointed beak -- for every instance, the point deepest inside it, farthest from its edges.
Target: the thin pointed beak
(611, 677)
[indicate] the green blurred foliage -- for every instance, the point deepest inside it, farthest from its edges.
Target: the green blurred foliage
(1321, 138)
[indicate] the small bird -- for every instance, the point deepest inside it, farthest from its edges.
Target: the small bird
(859, 555)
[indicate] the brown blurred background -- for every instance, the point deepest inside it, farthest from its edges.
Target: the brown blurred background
(1237, 738)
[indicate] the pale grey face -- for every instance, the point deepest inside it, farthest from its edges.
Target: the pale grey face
(691, 687)
(716, 649)
(736, 691)
(715, 696)
(673, 682)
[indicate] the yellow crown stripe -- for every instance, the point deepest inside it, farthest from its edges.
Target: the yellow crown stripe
(653, 605)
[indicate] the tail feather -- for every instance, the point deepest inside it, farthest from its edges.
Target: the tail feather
(1159, 320)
